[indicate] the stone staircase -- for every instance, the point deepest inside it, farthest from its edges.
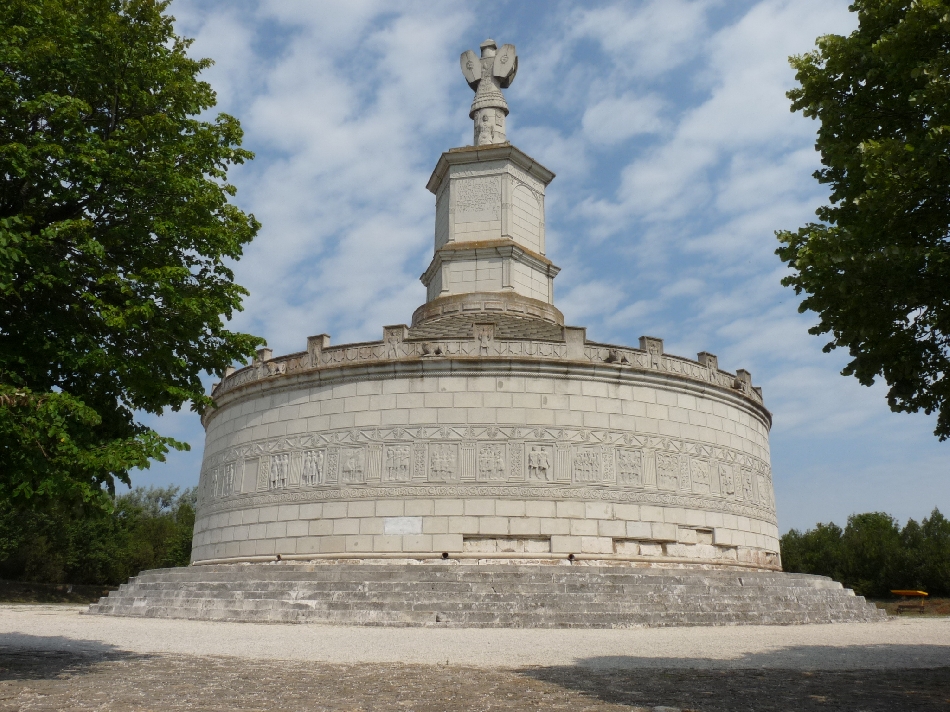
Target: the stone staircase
(450, 594)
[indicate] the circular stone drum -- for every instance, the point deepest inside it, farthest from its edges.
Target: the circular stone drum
(487, 430)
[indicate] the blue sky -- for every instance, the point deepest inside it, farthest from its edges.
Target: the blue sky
(676, 157)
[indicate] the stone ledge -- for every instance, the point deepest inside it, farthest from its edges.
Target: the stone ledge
(479, 154)
(546, 362)
(488, 302)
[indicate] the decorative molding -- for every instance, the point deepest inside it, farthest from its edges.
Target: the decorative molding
(396, 349)
(545, 456)
(530, 491)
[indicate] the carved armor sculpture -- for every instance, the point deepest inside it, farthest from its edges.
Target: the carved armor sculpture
(488, 75)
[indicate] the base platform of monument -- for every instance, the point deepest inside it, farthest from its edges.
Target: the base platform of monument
(485, 595)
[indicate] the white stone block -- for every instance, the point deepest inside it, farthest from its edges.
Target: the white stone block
(402, 525)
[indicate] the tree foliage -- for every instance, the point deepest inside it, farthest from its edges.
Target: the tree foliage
(874, 555)
(115, 232)
(146, 529)
(876, 269)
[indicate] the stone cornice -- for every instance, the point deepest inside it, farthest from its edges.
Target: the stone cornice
(453, 357)
(480, 154)
(474, 303)
(488, 248)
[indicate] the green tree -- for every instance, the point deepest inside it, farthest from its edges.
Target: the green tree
(115, 236)
(873, 555)
(146, 529)
(873, 560)
(876, 269)
(928, 550)
(817, 551)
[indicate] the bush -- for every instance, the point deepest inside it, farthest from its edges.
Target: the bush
(147, 529)
(874, 555)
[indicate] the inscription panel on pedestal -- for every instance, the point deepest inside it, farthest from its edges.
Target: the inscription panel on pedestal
(477, 199)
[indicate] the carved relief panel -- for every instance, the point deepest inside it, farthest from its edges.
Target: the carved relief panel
(313, 472)
(765, 491)
(748, 494)
(667, 471)
(540, 461)
(227, 480)
(398, 465)
(587, 466)
(727, 479)
(443, 462)
(279, 471)
(211, 484)
(629, 467)
(352, 466)
(491, 463)
(699, 472)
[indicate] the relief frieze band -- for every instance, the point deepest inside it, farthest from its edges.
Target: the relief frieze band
(420, 456)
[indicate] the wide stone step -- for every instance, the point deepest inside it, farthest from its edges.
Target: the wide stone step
(471, 573)
(447, 587)
(492, 619)
(777, 596)
(565, 581)
(502, 595)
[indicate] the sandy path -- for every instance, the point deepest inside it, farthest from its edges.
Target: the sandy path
(901, 643)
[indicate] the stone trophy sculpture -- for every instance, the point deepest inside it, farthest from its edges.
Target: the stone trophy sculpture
(488, 75)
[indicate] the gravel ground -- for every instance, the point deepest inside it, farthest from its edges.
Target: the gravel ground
(53, 658)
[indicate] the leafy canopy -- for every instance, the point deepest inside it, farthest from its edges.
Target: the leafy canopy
(115, 231)
(874, 555)
(876, 269)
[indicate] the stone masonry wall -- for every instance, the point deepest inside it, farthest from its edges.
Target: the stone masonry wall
(495, 463)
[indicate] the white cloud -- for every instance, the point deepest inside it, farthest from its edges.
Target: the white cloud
(647, 38)
(614, 120)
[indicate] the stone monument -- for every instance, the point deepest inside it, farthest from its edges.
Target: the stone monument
(487, 432)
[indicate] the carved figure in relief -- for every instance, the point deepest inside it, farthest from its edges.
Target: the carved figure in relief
(747, 491)
(214, 483)
(352, 470)
(700, 472)
(279, 470)
(491, 462)
(484, 341)
(765, 492)
(728, 481)
(312, 473)
(630, 467)
(488, 75)
(539, 464)
(392, 342)
(586, 466)
(227, 484)
(397, 463)
(667, 471)
(443, 462)
(654, 349)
